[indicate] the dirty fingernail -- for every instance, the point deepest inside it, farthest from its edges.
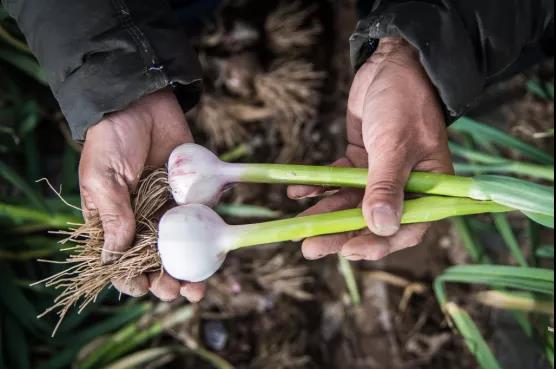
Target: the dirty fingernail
(384, 221)
(192, 293)
(314, 257)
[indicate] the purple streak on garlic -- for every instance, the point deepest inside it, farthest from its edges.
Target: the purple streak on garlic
(197, 176)
(193, 242)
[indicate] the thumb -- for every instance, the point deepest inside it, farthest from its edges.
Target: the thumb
(108, 195)
(383, 202)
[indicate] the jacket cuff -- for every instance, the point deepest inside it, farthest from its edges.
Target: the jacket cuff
(147, 52)
(445, 49)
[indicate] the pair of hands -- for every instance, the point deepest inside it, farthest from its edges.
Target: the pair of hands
(394, 125)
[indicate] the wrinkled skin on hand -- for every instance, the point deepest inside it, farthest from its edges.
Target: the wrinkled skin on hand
(395, 125)
(115, 152)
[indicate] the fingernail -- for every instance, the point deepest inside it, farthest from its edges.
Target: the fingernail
(384, 220)
(108, 256)
(353, 257)
(314, 257)
(193, 296)
(309, 196)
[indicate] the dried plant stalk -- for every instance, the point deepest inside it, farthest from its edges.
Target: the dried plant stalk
(219, 124)
(290, 89)
(289, 30)
(236, 74)
(246, 112)
(86, 276)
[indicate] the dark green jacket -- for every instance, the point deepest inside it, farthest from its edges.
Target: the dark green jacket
(465, 45)
(101, 55)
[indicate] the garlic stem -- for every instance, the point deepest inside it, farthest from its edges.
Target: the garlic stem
(419, 182)
(196, 175)
(193, 240)
(426, 209)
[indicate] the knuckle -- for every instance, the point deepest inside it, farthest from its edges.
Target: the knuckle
(102, 177)
(415, 240)
(385, 187)
(428, 146)
(111, 221)
(409, 239)
(116, 222)
(91, 182)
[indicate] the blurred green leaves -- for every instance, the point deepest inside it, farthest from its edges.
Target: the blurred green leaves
(15, 52)
(29, 209)
(544, 90)
(485, 135)
(17, 304)
(528, 279)
(534, 200)
(25, 63)
(534, 280)
(528, 293)
(472, 336)
(19, 183)
(487, 163)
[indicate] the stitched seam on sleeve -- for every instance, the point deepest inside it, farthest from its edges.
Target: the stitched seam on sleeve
(147, 52)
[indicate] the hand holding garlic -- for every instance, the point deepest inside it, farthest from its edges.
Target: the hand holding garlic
(193, 240)
(116, 151)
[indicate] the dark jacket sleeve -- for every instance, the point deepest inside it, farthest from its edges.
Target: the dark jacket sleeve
(101, 55)
(463, 44)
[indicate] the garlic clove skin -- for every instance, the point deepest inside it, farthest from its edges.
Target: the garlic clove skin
(192, 242)
(196, 175)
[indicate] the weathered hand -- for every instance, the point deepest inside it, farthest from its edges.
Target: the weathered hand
(115, 152)
(395, 125)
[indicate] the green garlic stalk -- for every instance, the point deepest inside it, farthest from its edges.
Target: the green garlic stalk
(197, 176)
(194, 241)
(485, 163)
